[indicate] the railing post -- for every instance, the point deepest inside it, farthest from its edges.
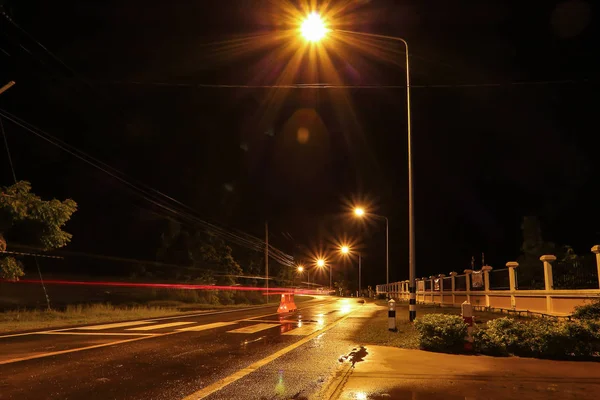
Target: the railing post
(453, 275)
(431, 284)
(486, 283)
(441, 278)
(596, 251)
(468, 273)
(548, 281)
(512, 282)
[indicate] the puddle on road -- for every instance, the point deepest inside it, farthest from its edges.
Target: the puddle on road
(247, 342)
(356, 355)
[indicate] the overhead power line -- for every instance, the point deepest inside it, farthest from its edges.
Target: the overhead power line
(336, 86)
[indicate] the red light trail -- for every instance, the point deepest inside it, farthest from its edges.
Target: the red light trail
(273, 290)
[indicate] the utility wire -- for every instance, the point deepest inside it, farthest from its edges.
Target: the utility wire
(336, 86)
(151, 195)
(15, 178)
(12, 168)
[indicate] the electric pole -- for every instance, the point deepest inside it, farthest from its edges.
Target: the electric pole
(267, 256)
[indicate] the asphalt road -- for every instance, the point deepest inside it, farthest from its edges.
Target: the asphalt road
(241, 354)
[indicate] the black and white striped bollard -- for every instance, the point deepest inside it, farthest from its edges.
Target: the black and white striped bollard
(392, 315)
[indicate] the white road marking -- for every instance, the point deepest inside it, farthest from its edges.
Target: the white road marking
(161, 326)
(56, 353)
(254, 328)
(97, 333)
(303, 330)
(171, 317)
(111, 326)
(206, 327)
(267, 321)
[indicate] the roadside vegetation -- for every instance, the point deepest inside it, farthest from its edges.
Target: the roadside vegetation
(443, 330)
(11, 321)
(375, 330)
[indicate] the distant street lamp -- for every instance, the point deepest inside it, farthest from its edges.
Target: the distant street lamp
(315, 29)
(321, 264)
(300, 269)
(360, 213)
(346, 250)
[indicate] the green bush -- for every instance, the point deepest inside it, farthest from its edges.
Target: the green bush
(502, 336)
(441, 332)
(542, 338)
(590, 311)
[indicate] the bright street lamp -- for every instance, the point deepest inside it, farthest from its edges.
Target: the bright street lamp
(313, 28)
(320, 263)
(345, 249)
(319, 30)
(300, 268)
(359, 212)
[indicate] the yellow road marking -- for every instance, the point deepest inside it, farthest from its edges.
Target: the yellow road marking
(111, 326)
(254, 328)
(206, 327)
(220, 384)
(161, 326)
(303, 330)
(97, 333)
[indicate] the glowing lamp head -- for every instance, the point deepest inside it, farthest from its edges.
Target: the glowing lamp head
(300, 268)
(359, 211)
(320, 262)
(313, 28)
(345, 249)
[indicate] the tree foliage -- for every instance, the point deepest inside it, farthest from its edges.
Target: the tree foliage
(31, 220)
(201, 251)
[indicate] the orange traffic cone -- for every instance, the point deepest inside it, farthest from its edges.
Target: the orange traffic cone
(287, 303)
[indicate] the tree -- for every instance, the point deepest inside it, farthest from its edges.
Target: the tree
(28, 218)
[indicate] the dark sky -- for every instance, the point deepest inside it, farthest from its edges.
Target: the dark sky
(484, 155)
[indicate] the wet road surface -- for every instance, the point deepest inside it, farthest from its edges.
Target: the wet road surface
(203, 355)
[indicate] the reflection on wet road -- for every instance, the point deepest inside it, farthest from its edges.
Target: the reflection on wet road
(157, 358)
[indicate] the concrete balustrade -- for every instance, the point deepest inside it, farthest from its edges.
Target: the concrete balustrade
(560, 302)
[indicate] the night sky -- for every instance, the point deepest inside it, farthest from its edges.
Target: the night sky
(504, 122)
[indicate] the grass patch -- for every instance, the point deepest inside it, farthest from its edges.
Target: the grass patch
(11, 321)
(82, 314)
(375, 330)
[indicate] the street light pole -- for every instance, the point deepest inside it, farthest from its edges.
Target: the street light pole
(267, 257)
(387, 251)
(359, 274)
(411, 212)
(7, 86)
